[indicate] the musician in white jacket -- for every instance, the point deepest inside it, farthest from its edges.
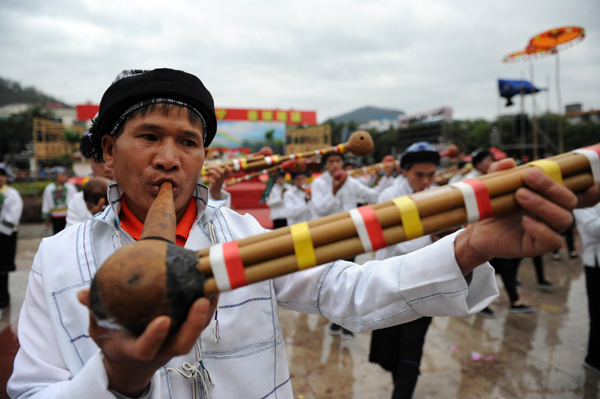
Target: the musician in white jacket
(11, 208)
(154, 126)
(275, 200)
(588, 225)
(297, 201)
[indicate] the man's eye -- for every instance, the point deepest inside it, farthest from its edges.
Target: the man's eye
(149, 137)
(189, 143)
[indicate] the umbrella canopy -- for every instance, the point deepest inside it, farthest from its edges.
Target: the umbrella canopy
(557, 38)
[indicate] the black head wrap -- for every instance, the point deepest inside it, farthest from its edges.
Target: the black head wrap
(479, 155)
(325, 157)
(421, 152)
(133, 89)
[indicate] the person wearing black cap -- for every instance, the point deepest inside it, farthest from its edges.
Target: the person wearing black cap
(506, 268)
(482, 159)
(155, 126)
(11, 208)
(398, 349)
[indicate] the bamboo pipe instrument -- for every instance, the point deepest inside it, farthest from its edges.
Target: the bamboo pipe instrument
(184, 276)
(297, 165)
(371, 168)
(359, 143)
(261, 154)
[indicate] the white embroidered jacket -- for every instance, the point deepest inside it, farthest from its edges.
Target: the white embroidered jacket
(58, 359)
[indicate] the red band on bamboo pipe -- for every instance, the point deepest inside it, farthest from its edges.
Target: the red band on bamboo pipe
(234, 264)
(483, 198)
(368, 228)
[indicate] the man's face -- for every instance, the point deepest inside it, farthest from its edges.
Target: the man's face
(3, 180)
(484, 165)
(152, 149)
(420, 176)
(280, 180)
(61, 178)
(99, 169)
(299, 181)
(334, 163)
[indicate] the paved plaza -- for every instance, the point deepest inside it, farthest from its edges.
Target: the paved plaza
(537, 355)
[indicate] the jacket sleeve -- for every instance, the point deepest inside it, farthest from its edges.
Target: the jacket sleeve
(294, 205)
(12, 213)
(39, 369)
(71, 191)
(379, 294)
(588, 220)
(275, 198)
(323, 201)
(47, 202)
(363, 193)
(76, 213)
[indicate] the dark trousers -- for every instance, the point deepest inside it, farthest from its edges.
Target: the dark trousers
(506, 268)
(399, 349)
(277, 223)
(8, 250)
(569, 239)
(4, 295)
(592, 282)
(538, 263)
(58, 224)
(411, 351)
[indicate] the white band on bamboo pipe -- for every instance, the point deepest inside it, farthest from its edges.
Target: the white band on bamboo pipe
(470, 200)
(219, 268)
(361, 229)
(594, 158)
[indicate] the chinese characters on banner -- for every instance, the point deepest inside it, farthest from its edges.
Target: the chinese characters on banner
(290, 117)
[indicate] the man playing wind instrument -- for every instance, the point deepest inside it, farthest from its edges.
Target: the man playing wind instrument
(154, 127)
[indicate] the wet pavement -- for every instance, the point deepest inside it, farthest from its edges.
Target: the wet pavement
(537, 355)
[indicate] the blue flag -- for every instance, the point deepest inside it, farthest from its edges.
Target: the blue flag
(510, 88)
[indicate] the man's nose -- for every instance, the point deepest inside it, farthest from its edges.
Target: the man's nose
(167, 156)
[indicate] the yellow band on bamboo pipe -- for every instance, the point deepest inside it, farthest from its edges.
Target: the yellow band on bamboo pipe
(303, 246)
(551, 168)
(411, 221)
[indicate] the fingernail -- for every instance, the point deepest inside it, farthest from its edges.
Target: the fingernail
(524, 194)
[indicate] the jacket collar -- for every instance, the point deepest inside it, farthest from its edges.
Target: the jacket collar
(114, 198)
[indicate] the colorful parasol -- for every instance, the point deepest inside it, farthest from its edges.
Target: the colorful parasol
(528, 53)
(557, 38)
(543, 44)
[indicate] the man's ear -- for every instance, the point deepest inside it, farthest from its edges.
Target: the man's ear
(108, 145)
(205, 153)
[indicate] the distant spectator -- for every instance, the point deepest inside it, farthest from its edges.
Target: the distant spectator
(88, 202)
(99, 169)
(11, 208)
(55, 199)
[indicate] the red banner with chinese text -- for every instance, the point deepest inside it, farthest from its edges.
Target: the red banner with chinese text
(290, 117)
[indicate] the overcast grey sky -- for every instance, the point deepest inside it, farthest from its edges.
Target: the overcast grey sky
(328, 56)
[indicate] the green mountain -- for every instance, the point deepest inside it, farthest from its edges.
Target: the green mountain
(12, 93)
(365, 114)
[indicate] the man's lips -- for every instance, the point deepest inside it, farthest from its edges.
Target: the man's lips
(156, 187)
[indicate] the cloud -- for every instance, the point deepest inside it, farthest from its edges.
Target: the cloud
(331, 56)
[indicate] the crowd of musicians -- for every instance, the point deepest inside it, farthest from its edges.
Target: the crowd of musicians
(154, 127)
(298, 196)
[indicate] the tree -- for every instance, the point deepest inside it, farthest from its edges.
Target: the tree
(17, 130)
